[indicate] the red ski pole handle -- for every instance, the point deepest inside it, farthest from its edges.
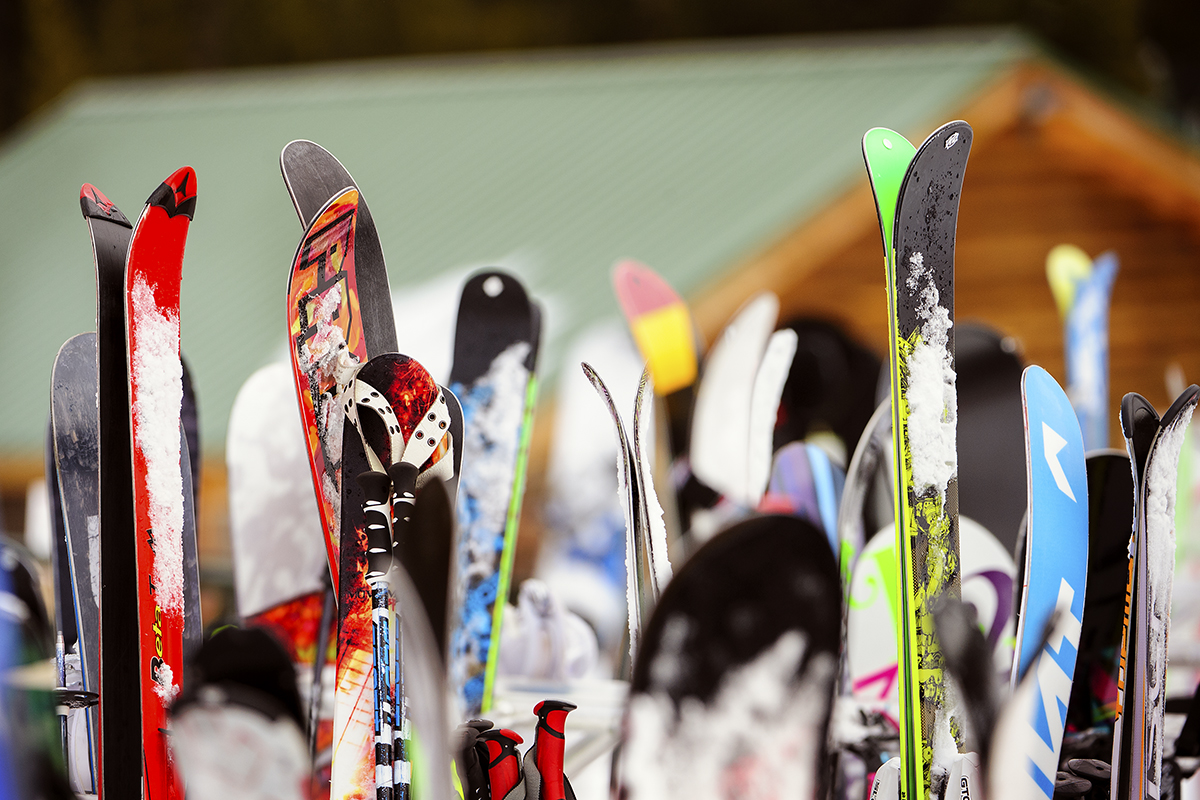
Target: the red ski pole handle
(549, 742)
(503, 764)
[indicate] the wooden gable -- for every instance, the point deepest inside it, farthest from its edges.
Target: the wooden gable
(1051, 163)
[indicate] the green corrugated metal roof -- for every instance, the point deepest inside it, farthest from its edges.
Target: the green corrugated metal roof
(687, 158)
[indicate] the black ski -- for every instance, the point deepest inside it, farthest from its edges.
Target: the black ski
(120, 705)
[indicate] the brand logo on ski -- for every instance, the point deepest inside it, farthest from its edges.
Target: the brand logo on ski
(1055, 668)
(1053, 444)
(175, 201)
(96, 206)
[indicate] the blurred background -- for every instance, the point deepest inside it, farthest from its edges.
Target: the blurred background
(716, 140)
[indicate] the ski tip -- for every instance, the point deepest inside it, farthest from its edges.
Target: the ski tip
(95, 205)
(1135, 408)
(1186, 398)
(177, 194)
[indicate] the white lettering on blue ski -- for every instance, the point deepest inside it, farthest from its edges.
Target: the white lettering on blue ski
(1054, 668)
(1053, 445)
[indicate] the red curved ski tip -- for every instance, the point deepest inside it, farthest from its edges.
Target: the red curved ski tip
(95, 205)
(177, 194)
(640, 289)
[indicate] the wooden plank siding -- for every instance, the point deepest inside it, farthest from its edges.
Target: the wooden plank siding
(1036, 178)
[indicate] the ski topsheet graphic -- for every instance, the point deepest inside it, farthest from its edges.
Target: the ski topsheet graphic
(314, 177)
(1056, 547)
(733, 681)
(1138, 737)
(1082, 290)
(919, 250)
(495, 353)
(152, 275)
(75, 424)
(326, 346)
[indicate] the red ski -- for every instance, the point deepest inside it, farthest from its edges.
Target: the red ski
(153, 270)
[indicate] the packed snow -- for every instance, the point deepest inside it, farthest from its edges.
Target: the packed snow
(759, 736)
(164, 684)
(932, 396)
(158, 375)
(1161, 485)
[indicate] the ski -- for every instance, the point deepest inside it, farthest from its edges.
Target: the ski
(313, 177)
(326, 346)
(1154, 562)
(805, 483)
(637, 578)
(769, 381)
(654, 548)
(493, 375)
(120, 768)
(758, 606)
(1056, 546)
(665, 335)
(274, 525)
(75, 429)
(153, 271)
(411, 395)
(920, 280)
(1082, 291)
(720, 441)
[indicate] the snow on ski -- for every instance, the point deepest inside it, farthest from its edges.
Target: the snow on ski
(637, 589)
(737, 698)
(1154, 563)
(493, 376)
(920, 272)
(152, 275)
(1055, 574)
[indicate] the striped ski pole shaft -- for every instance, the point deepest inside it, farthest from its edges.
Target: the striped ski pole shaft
(433, 428)
(377, 487)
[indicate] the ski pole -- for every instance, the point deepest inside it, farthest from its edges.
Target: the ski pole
(376, 486)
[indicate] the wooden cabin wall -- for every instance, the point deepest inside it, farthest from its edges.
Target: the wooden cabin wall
(1023, 194)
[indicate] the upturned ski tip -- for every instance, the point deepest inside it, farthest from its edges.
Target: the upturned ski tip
(95, 205)
(177, 194)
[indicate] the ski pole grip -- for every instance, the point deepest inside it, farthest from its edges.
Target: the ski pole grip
(376, 487)
(404, 495)
(550, 741)
(503, 764)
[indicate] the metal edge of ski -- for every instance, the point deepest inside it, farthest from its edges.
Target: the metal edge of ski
(636, 591)
(313, 177)
(653, 557)
(153, 273)
(119, 768)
